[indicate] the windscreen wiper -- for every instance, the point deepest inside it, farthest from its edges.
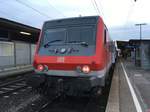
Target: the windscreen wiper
(48, 43)
(82, 43)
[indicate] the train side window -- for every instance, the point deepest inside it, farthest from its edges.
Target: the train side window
(105, 36)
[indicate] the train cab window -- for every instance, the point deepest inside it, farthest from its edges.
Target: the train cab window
(105, 36)
(57, 35)
(85, 34)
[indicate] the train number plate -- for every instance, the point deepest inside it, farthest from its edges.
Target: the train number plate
(61, 59)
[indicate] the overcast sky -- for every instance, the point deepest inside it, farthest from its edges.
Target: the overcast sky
(119, 15)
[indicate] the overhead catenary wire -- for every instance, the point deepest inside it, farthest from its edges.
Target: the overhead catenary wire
(43, 14)
(130, 12)
(97, 8)
(56, 9)
(101, 7)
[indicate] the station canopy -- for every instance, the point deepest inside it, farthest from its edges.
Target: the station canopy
(13, 31)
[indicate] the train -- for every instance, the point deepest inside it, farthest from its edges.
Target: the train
(73, 56)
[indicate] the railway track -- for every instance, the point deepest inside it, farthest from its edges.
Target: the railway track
(48, 103)
(10, 89)
(76, 104)
(73, 105)
(13, 85)
(13, 78)
(56, 104)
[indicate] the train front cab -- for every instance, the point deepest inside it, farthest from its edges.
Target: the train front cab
(74, 75)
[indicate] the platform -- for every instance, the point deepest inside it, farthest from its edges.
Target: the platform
(140, 80)
(130, 89)
(5, 72)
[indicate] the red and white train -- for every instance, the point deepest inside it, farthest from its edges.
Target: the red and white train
(73, 56)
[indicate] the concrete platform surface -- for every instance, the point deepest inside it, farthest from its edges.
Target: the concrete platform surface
(140, 80)
(120, 97)
(113, 100)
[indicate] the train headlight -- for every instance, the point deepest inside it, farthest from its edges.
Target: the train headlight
(86, 69)
(40, 67)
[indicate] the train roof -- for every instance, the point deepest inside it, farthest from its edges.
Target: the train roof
(73, 20)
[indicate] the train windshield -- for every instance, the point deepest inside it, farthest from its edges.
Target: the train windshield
(69, 35)
(81, 34)
(53, 36)
(74, 40)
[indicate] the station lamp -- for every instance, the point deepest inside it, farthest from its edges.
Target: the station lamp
(140, 26)
(25, 33)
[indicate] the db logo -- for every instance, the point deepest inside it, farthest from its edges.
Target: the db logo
(61, 59)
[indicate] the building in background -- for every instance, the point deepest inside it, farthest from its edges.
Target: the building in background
(17, 43)
(141, 52)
